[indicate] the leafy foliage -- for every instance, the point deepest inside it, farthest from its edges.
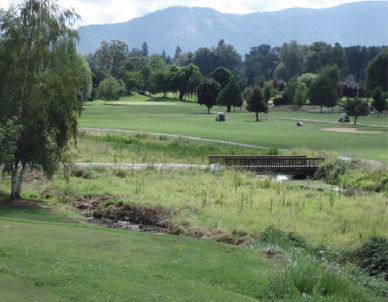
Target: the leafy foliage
(207, 92)
(110, 89)
(379, 101)
(350, 89)
(372, 256)
(300, 95)
(256, 102)
(111, 58)
(377, 71)
(222, 75)
(322, 92)
(40, 83)
(331, 171)
(289, 91)
(9, 135)
(278, 84)
(230, 95)
(356, 107)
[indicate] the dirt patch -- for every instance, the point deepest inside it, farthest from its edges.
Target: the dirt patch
(350, 130)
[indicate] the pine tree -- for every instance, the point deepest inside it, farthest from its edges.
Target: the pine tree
(230, 95)
(256, 102)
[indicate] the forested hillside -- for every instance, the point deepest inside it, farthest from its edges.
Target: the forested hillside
(362, 23)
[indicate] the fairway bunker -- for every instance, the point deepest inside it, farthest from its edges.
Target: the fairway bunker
(351, 130)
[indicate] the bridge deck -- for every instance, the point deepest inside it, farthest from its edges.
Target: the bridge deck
(290, 164)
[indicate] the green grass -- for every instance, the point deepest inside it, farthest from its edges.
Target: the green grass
(55, 259)
(241, 203)
(115, 147)
(331, 118)
(77, 263)
(14, 289)
(185, 118)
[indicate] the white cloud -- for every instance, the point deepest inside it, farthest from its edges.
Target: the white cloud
(113, 11)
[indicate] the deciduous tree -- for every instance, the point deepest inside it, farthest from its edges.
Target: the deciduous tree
(356, 107)
(379, 101)
(112, 57)
(207, 93)
(322, 93)
(38, 84)
(222, 75)
(300, 95)
(110, 89)
(376, 74)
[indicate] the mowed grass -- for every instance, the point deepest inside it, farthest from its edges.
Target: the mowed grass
(64, 262)
(183, 118)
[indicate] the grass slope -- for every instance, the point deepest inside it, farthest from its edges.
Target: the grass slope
(67, 262)
(275, 129)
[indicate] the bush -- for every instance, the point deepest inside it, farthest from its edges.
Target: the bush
(110, 89)
(282, 101)
(372, 256)
(331, 171)
(306, 278)
(353, 175)
(281, 238)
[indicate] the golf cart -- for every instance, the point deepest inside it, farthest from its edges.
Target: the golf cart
(221, 117)
(344, 119)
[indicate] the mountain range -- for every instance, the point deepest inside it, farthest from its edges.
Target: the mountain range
(360, 23)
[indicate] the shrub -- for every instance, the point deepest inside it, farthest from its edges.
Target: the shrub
(282, 101)
(372, 256)
(110, 89)
(331, 171)
(281, 238)
(306, 278)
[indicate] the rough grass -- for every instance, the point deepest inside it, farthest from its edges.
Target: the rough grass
(243, 203)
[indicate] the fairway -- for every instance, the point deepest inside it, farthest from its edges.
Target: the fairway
(275, 130)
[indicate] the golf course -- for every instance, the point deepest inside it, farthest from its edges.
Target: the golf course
(213, 234)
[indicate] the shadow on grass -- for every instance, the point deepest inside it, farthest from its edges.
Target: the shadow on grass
(259, 121)
(27, 210)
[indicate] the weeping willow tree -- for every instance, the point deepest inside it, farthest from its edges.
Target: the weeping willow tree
(40, 84)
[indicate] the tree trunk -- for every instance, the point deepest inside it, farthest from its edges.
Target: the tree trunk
(229, 108)
(355, 120)
(208, 110)
(321, 108)
(20, 181)
(257, 116)
(14, 180)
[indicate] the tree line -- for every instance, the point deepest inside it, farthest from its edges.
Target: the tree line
(292, 73)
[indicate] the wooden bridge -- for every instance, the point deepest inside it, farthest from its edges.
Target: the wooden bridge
(289, 164)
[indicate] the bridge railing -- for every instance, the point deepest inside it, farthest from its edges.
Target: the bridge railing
(266, 162)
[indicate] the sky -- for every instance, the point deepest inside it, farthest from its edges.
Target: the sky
(114, 11)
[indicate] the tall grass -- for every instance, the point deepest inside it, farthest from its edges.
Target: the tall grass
(232, 199)
(144, 148)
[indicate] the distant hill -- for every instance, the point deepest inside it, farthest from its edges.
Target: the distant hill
(361, 23)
